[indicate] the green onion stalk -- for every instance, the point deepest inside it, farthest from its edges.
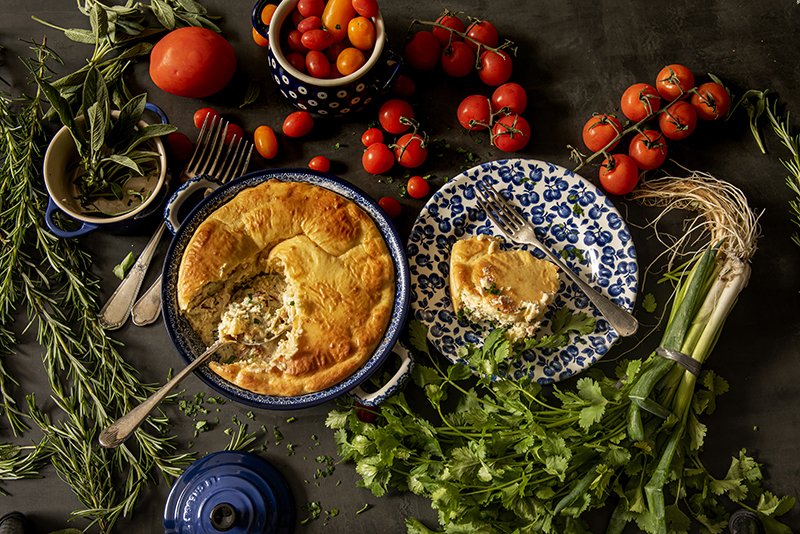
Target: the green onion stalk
(708, 287)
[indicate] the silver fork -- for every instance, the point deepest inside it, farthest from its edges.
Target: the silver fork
(517, 228)
(209, 148)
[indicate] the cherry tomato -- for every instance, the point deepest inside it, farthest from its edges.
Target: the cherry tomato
(366, 414)
(417, 187)
(298, 124)
(511, 96)
(233, 130)
(475, 113)
(179, 145)
(296, 17)
(295, 41)
(484, 32)
(711, 101)
(599, 131)
(333, 51)
(200, 116)
(410, 151)
(648, 149)
(193, 62)
(392, 112)
(678, 120)
(377, 158)
(391, 206)
(404, 87)
(259, 39)
(335, 17)
(673, 82)
(511, 133)
(320, 163)
(350, 60)
(311, 8)
(309, 23)
(361, 33)
(316, 39)
(446, 36)
(619, 174)
(458, 59)
(317, 64)
(640, 100)
(266, 142)
(267, 12)
(422, 51)
(372, 136)
(496, 67)
(297, 61)
(366, 8)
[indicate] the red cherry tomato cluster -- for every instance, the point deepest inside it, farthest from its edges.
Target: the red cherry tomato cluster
(502, 113)
(330, 39)
(396, 117)
(461, 49)
(666, 110)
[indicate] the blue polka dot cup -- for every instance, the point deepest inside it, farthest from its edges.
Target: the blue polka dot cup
(327, 97)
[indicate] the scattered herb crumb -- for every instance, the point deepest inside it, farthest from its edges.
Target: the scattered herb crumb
(364, 509)
(291, 420)
(122, 269)
(314, 509)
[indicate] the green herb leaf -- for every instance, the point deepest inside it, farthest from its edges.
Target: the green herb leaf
(124, 266)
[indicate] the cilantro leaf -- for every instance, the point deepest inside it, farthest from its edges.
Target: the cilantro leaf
(649, 303)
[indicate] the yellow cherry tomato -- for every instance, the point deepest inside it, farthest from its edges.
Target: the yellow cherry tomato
(336, 16)
(260, 39)
(266, 13)
(350, 60)
(266, 142)
(361, 33)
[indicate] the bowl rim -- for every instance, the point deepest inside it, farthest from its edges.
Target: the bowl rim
(222, 195)
(155, 194)
(280, 15)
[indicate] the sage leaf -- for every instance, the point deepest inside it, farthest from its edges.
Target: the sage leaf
(126, 162)
(192, 7)
(149, 132)
(99, 22)
(96, 119)
(253, 90)
(164, 13)
(129, 117)
(80, 36)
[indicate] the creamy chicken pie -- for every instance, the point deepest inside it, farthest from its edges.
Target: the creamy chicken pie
(508, 288)
(295, 264)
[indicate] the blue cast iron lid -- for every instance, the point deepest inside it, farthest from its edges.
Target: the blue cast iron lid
(229, 491)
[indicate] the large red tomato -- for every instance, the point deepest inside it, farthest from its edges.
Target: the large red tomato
(192, 62)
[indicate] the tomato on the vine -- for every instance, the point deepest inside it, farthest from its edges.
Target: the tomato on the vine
(371, 136)
(711, 101)
(410, 150)
(484, 32)
(392, 113)
(377, 158)
(320, 163)
(511, 96)
(233, 130)
(200, 117)
(298, 124)
(496, 67)
(446, 36)
(179, 145)
(422, 51)
(601, 130)
(266, 142)
(648, 149)
(391, 206)
(475, 113)
(458, 59)
(619, 174)
(511, 133)
(417, 187)
(639, 101)
(678, 120)
(673, 82)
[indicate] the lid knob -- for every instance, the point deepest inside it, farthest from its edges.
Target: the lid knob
(223, 517)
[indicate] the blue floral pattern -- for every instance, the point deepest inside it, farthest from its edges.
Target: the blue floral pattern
(569, 213)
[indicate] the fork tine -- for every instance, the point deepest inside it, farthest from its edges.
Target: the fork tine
(509, 214)
(216, 149)
(495, 207)
(229, 163)
(489, 213)
(199, 149)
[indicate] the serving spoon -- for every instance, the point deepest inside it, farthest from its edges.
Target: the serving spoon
(116, 433)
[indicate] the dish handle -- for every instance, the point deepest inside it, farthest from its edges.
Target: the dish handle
(373, 399)
(180, 196)
(49, 219)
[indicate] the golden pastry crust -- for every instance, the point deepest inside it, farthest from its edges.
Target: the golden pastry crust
(337, 267)
(511, 288)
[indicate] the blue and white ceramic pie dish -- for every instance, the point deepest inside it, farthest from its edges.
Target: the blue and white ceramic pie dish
(571, 216)
(327, 97)
(188, 343)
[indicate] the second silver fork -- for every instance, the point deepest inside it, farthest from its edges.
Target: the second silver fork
(518, 229)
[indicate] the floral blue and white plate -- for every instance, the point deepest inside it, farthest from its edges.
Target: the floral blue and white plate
(571, 216)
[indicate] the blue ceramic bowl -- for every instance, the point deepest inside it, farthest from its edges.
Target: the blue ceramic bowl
(188, 343)
(334, 97)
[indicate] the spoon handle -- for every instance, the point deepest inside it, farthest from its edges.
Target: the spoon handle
(116, 433)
